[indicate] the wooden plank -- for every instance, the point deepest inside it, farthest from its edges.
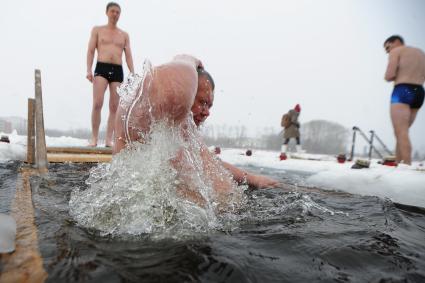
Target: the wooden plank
(78, 158)
(41, 154)
(25, 264)
(31, 132)
(80, 149)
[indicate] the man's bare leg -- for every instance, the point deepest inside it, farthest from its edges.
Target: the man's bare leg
(113, 106)
(99, 87)
(397, 153)
(413, 113)
(401, 118)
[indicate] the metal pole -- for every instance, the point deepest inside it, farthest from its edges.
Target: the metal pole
(383, 145)
(353, 144)
(368, 141)
(372, 134)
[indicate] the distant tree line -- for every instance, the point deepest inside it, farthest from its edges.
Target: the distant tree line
(318, 136)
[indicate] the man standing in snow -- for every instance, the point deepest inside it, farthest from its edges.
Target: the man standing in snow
(110, 42)
(406, 68)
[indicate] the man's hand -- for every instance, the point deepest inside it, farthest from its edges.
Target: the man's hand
(261, 182)
(89, 76)
(255, 181)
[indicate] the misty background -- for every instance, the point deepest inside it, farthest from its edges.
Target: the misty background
(265, 57)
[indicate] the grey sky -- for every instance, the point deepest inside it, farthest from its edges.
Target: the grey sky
(265, 56)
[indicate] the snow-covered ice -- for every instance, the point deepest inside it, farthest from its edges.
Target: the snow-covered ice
(403, 184)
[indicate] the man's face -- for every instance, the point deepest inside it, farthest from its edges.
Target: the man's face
(203, 101)
(113, 14)
(391, 45)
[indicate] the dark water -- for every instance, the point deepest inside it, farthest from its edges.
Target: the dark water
(281, 239)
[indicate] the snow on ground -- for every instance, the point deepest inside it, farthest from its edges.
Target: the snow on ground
(403, 184)
(17, 148)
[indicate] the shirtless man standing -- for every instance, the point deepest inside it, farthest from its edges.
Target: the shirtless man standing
(406, 68)
(110, 42)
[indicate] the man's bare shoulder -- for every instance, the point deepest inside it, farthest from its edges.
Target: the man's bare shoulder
(100, 28)
(409, 51)
(416, 49)
(406, 48)
(123, 32)
(97, 29)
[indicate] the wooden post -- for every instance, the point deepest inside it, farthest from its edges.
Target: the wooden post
(25, 264)
(41, 152)
(31, 132)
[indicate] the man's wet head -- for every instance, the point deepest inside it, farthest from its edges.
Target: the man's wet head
(113, 11)
(204, 97)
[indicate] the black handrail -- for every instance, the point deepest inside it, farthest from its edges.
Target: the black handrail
(370, 140)
(383, 145)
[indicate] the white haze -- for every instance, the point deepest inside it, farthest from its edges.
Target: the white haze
(265, 56)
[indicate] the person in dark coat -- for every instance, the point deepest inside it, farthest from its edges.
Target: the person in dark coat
(291, 128)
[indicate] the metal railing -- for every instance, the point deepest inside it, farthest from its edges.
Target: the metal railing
(370, 141)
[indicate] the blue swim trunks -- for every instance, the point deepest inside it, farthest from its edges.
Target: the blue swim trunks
(410, 94)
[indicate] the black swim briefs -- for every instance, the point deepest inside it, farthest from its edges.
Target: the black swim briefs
(111, 72)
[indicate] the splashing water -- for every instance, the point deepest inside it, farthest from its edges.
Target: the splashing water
(159, 186)
(291, 205)
(134, 96)
(139, 192)
(164, 187)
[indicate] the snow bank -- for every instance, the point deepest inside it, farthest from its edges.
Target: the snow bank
(403, 184)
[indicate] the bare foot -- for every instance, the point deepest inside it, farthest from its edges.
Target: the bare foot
(93, 143)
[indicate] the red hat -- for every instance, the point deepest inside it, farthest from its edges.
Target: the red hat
(297, 108)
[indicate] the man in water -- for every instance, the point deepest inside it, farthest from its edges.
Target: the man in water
(177, 90)
(406, 68)
(110, 42)
(201, 110)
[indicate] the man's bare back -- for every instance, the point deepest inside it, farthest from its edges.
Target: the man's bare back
(406, 65)
(169, 91)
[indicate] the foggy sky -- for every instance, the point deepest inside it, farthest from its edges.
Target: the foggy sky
(265, 56)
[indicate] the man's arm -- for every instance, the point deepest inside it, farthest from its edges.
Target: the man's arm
(90, 53)
(256, 181)
(128, 55)
(392, 67)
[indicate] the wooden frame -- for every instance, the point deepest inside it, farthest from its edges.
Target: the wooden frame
(41, 152)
